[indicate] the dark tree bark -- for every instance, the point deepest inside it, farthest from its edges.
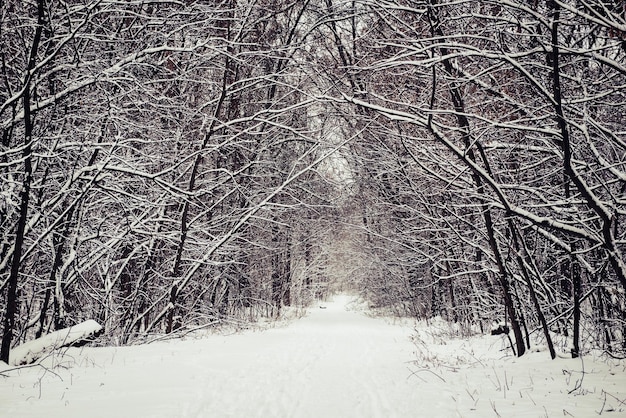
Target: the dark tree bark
(520, 248)
(465, 128)
(12, 303)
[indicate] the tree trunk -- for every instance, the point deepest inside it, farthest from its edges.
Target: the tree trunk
(11, 309)
(520, 246)
(464, 125)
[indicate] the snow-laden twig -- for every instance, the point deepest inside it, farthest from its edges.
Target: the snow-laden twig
(33, 350)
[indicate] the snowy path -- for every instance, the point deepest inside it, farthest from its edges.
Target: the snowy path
(335, 362)
(332, 363)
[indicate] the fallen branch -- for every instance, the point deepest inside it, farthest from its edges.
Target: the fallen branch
(73, 336)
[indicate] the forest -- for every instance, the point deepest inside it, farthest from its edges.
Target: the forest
(171, 165)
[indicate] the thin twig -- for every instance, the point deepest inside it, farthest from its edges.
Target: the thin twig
(414, 373)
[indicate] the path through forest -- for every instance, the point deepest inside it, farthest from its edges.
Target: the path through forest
(335, 362)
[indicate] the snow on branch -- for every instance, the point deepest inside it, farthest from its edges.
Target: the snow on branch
(33, 350)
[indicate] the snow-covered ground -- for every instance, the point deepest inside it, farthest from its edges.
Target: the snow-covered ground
(335, 362)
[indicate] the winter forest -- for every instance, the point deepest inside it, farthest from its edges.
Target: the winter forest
(173, 165)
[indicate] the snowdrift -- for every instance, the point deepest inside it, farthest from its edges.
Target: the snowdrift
(34, 350)
(337, 361)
